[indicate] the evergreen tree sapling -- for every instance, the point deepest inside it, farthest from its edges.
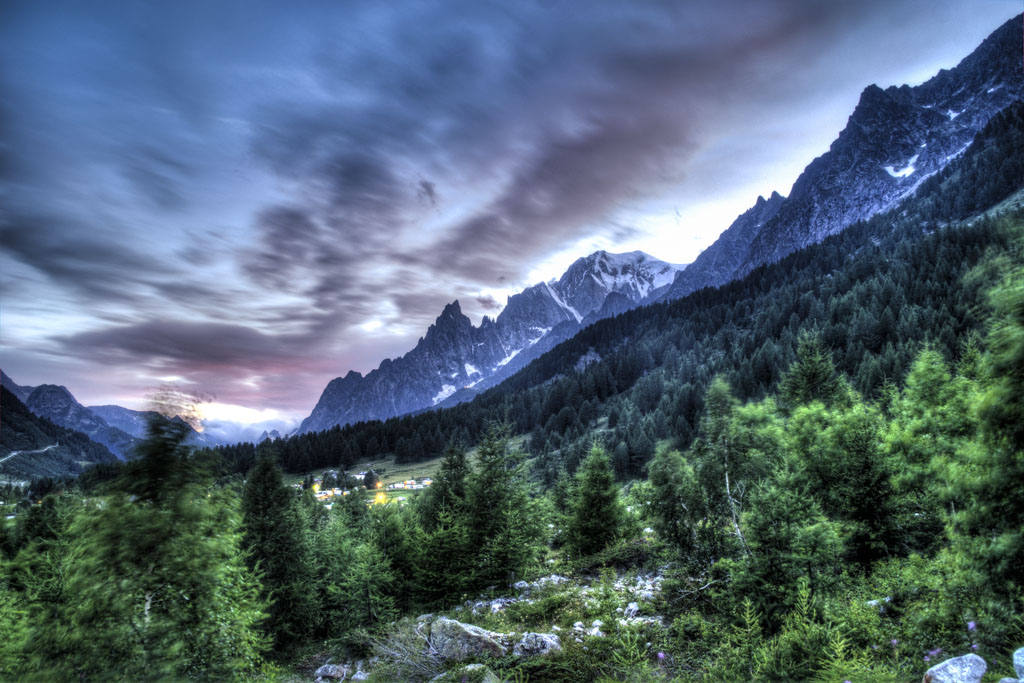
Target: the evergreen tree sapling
(596, 513)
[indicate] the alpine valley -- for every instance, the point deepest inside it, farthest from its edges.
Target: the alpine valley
(797, 458)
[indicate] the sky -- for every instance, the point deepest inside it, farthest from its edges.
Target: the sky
(245, 200)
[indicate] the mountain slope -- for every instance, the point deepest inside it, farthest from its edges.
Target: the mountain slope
(31, 446)
(21, 392)
(894, 139)
(454, 360)
(56, 404)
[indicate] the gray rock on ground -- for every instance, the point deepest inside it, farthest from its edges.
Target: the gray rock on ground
(455, 640)
(966, 669)
(1018, 662)
(332, 671)
(537, 644)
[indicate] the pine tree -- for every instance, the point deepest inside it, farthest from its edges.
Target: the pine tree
(503, 523)
(812, 376)
(596, 513)
(277, 546)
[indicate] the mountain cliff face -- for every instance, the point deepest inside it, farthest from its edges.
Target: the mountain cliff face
(455, 359)
(894, 139)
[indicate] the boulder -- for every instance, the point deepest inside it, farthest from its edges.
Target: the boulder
(1018, 662)
(966, 669)
(537, 644)
(334, 671)
(631, 610)
(455, 640)
(470, 673)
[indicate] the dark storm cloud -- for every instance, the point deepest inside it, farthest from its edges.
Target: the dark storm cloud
(195, 344)
(300, 169)
(572, 113)
(62, 248)
(488, 303)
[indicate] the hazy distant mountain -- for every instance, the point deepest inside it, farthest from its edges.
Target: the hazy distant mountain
(117, 428)
(455, 359)
(134, 422)
(272, 435)
(894, 139)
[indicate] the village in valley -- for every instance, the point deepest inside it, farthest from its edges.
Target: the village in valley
(332, 485)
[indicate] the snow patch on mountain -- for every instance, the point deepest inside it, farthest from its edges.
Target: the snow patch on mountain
(558, 300)
(903, 172)
(446, 391)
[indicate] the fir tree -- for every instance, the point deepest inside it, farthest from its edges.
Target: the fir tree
(812, 376)
(596, 513)
(275, 539)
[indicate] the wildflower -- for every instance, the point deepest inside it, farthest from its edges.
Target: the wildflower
(927, 658)
(974, 647)
(894, 642)
(936, 651)
(661, 656)
(971, 625)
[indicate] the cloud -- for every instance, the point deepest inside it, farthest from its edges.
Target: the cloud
(488, 303)
(230, 195)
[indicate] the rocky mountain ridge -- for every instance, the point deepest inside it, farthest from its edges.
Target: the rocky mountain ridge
(895, 138)
(454, 360)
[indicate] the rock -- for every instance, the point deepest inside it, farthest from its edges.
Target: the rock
(335, 671)
(552, 580)
(360, 676)
(966, 669)
(1009, 680)
(1018, 662)
(537, 644)
(578, 626)
(470, 673)
(521, 586)
(631, 610)
(455, 640)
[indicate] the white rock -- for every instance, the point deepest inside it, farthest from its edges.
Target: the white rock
(966, 669)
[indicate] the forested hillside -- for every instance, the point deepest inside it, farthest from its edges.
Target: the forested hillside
(874, 293)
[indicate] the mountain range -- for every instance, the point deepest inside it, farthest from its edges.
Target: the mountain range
(117, 428)
(895, 139)
(455, 360)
